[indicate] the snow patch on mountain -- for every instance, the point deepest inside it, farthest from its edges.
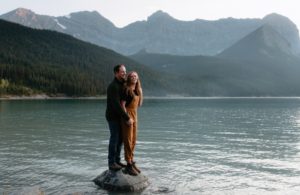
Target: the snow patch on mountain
(59, 24)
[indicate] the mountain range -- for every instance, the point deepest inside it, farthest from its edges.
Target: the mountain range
(263, 62)
(160, 33)
(260, 64)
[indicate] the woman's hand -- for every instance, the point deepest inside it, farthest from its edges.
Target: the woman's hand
(130, 122)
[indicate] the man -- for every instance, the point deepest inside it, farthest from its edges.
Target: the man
(114, 114)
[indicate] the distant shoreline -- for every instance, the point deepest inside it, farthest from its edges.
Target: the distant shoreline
(46, 97)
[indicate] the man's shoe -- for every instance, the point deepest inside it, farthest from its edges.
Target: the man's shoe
(130, 170)
(121, 164)
(114, 167)
(135, 167)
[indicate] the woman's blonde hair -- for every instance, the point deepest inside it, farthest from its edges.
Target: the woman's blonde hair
(138, 87)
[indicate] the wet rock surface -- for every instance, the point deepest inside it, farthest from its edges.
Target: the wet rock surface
(121, 181)
(27, 191)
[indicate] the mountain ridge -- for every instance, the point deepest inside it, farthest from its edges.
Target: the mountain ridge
(254, 66)
(262, 43)
(161, 33)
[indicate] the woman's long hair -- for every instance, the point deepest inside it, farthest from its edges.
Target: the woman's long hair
(138, 87)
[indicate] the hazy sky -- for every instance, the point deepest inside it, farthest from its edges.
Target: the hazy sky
(123, 12)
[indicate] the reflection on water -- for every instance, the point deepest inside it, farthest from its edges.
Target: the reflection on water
(185, 146)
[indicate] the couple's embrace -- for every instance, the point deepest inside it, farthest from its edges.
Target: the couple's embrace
(124, 96)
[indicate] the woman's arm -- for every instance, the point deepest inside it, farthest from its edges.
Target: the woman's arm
(123, 103)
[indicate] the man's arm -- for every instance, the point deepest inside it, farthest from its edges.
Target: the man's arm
(123, 103)
(116, 102)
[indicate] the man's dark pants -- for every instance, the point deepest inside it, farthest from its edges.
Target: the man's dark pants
(115, 142)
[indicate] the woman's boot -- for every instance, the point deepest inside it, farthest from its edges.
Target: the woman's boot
(130, 170)
(135, 167)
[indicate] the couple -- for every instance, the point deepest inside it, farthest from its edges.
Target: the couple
(124, 96)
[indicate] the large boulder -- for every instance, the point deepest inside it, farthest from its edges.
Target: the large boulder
(121, 181)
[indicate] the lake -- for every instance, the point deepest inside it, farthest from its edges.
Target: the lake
(185, 145)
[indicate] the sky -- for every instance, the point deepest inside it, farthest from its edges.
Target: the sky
(124, 12)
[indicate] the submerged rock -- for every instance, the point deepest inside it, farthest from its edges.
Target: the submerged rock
(121, 181)
(28, 191)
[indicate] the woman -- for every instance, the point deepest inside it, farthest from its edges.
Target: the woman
(133, 98)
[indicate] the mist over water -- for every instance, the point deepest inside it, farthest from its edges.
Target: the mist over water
(185, 146)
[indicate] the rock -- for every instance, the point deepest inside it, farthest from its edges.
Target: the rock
(35, 190)
(121, 181)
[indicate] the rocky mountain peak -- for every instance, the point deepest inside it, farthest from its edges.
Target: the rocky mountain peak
(92, 18)
(27, 17)
(160, 15)
(22, 12)
(277, 19)
(286, 28)
(263, 43)
(86, 13)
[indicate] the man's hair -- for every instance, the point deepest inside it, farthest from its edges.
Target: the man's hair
(117, 67)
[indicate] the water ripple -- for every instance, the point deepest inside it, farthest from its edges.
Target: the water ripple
(195, 146)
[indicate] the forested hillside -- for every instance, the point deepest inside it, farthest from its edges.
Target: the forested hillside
(41, 61)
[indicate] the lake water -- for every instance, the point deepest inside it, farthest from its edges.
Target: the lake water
(185, 146)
